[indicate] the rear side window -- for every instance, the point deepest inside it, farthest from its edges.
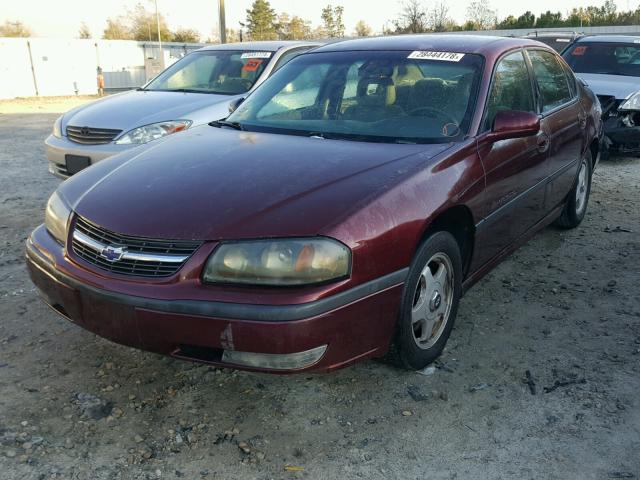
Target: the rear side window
(510, 88)
(552, 79)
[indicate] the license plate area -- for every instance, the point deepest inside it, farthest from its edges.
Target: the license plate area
(75, 163)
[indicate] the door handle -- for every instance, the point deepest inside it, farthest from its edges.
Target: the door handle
(542, 141)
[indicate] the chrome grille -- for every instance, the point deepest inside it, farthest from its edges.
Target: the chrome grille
(139, 256)
(90, 135)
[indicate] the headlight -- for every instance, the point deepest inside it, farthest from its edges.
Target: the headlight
(57, 127)
(279, 262)
(56, 217)
(632, 103)
(154, 131)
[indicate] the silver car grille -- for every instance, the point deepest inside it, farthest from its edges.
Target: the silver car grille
(90, 135)
(127, 255)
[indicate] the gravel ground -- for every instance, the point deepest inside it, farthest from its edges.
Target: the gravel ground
(540, 378)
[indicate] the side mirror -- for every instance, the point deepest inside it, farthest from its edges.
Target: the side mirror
(234, 104)
(514, 124)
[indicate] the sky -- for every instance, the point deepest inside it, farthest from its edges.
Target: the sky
(62, 18)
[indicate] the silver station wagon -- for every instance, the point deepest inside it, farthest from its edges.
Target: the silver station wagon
(195, 90)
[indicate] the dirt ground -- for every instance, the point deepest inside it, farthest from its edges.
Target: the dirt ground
(565, 308)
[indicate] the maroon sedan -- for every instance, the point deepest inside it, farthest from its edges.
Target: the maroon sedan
(341, 210)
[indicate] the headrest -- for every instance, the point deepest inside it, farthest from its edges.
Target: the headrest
(376, 68)
(233, 69)
(406, 74)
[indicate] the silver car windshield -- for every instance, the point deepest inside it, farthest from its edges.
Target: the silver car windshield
(377, 96)
(604, 58)
(213, 71)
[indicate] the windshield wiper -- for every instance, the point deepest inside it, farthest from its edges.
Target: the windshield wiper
(186, 90)
(610, 73)
(354, 137)
(224, 123)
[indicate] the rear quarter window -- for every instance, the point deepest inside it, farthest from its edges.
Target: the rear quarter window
(551, 78)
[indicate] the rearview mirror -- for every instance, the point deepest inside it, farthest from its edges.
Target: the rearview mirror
(234, 104)
(514, 124)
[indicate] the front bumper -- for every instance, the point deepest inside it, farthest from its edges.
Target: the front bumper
(621, 138)
(56, 150)
(353, 325)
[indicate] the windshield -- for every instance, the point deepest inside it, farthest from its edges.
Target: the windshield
(213, 71)
(604, 58)
(401, 97)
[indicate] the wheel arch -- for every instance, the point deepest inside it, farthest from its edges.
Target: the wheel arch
(458, 221)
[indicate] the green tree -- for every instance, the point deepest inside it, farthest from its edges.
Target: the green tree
(14, 29)
(261, 21)
(526, 20)
(117, 29)
(362, 29)
(550, 19)
(629, 17)
(293, 28)
(332, 21)
(507, 23)
(144, 25)
(186, 35)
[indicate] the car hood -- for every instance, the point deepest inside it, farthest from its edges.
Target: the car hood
(128, 110)
(211, 184)
(620, 86)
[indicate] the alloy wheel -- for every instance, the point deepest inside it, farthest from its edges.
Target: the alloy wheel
(432, 301)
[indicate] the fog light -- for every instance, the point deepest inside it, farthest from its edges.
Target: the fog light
(274, 361)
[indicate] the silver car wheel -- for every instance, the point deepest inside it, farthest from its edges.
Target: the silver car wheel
(582, 187)
(432, 301)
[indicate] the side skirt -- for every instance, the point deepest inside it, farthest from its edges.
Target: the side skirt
(473, 278)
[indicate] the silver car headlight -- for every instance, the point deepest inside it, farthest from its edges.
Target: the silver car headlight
(278, 262)
(631, 103)
(151, 132)
(57, 127)
(56, 217)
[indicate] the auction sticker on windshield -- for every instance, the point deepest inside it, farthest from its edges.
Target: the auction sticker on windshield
(252, 65)
(256, 55)
(444, 56)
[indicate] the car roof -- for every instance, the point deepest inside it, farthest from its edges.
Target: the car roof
(480, 44)
(269, 46)
(559, 34)
(610, 39)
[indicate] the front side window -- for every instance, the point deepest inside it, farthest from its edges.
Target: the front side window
(211, 71)
(607, 58)
(367, 96)
(510, 88)
(551, 78)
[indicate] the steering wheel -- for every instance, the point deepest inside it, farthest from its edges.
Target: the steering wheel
(439, 113)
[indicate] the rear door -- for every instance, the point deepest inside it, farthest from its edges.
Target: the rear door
(515, 169)
(564, 120)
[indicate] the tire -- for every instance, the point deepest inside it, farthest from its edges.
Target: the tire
(575, 208)
(429, 302)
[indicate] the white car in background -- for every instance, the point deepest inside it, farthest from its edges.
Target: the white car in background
(197, 89)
